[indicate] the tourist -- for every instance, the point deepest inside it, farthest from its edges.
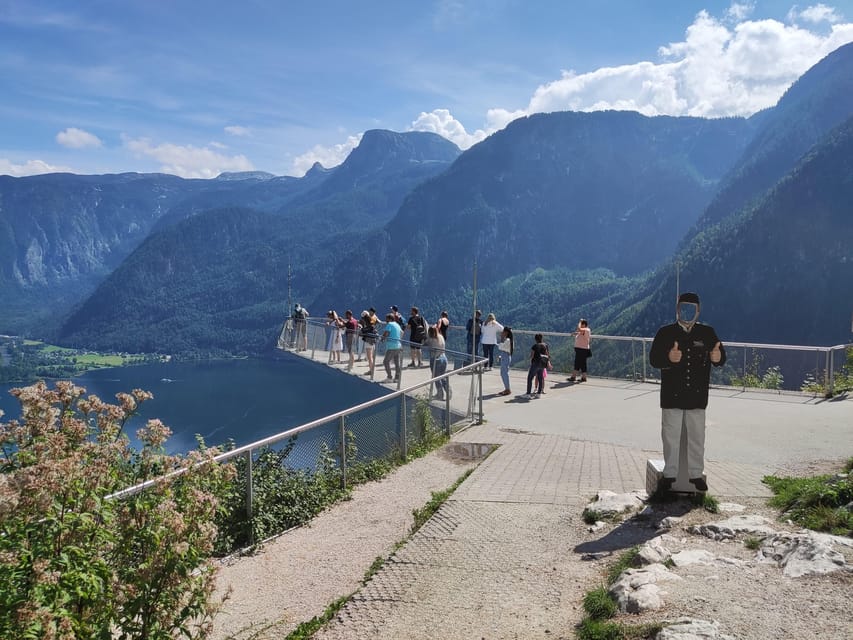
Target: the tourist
(369, 335)
(417, 334)
(335, 344)
(438, 362)
(398, 318)
(350, 336)
(684, 352)
(505, 349)
(443, 325)
(472, 328)
(300, 327)
(391, 336)
(540, 360)
(489, 333)
(582, 350)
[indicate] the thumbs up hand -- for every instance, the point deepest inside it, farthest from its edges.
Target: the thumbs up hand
(675, 354)
(715, 354)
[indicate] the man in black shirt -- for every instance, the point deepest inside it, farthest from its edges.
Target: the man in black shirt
(684, 352)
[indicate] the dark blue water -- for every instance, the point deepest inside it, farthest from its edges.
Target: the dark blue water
(243, 400)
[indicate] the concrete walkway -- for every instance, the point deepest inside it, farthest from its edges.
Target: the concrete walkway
(502, 557)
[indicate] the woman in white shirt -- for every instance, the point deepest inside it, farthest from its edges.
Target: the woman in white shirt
(489, 338)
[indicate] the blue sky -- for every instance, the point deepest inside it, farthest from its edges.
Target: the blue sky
(197, 88)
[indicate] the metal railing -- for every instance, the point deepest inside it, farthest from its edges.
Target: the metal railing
(382, 427)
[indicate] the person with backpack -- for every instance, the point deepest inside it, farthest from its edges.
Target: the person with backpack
(417, 334)
(300, 327)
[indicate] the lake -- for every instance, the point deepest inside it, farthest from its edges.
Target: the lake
(243, 400)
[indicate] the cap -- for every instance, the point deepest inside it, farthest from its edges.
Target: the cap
(364, 314)
(689, 297)
(372, 310)
(393, 307)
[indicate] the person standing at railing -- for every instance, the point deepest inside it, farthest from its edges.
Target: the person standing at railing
(350, 335)
(505, 347)
(582, 350)
(438, 362)
(300, 327)
(684, 352)
(443, 325)
(540, 359)
(391, 336)
(489, 333)
(369, 336)
(335, 327)
(417, 326)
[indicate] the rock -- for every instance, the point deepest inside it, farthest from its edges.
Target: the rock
(692, 629)
(597, 526)
(636, 590)
(800, 554)
(670, 522)
(653, 552)
(608, 503)
(726, 529)
(692, 556)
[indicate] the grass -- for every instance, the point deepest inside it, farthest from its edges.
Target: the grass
(818, 502)
(600, 607)
(438, 498)
(307, 629)
(752, 542)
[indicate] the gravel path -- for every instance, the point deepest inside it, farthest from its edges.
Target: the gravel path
(296, 576)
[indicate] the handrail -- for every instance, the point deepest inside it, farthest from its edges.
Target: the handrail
(289, 433)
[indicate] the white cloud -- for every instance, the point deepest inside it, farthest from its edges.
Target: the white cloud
(440, 121)
(29, 168)
(816, 14)
(188, 161)
(739, 11)
(720, 69)
(327, 156)
(75, 138)
(731, 66)
(237, 130)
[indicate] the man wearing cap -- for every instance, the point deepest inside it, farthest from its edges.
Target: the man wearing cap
(684, 352)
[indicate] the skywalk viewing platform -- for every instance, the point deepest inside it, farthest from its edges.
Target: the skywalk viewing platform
(508, 554)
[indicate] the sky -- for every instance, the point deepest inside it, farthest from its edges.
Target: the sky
(199, 88)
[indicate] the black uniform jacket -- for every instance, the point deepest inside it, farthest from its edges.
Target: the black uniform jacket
(685, 385)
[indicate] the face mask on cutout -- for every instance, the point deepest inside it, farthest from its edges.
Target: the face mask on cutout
(687, 313)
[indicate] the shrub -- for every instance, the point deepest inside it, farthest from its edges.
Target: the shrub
(599, 605)
(75, 563)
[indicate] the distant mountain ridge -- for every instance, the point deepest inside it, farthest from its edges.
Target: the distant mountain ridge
(563, 214)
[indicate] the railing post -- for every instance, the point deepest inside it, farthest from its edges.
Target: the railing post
(830, 373)
(480, 381)
(249, 496)
(314, 342)
(447, 407)
(743, 371)
(404, 445)
(645, 361)
(343, 422)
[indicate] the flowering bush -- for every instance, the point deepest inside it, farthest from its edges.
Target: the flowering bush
(77, 564)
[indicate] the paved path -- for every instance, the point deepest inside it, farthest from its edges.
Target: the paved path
(501, 559)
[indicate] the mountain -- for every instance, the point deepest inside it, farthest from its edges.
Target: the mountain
(796, 128)
(217, 280)
(820, 100)
(780, 271)
(613, 190)
(62, 234)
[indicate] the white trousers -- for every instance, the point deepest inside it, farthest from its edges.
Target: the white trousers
(671, 422)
